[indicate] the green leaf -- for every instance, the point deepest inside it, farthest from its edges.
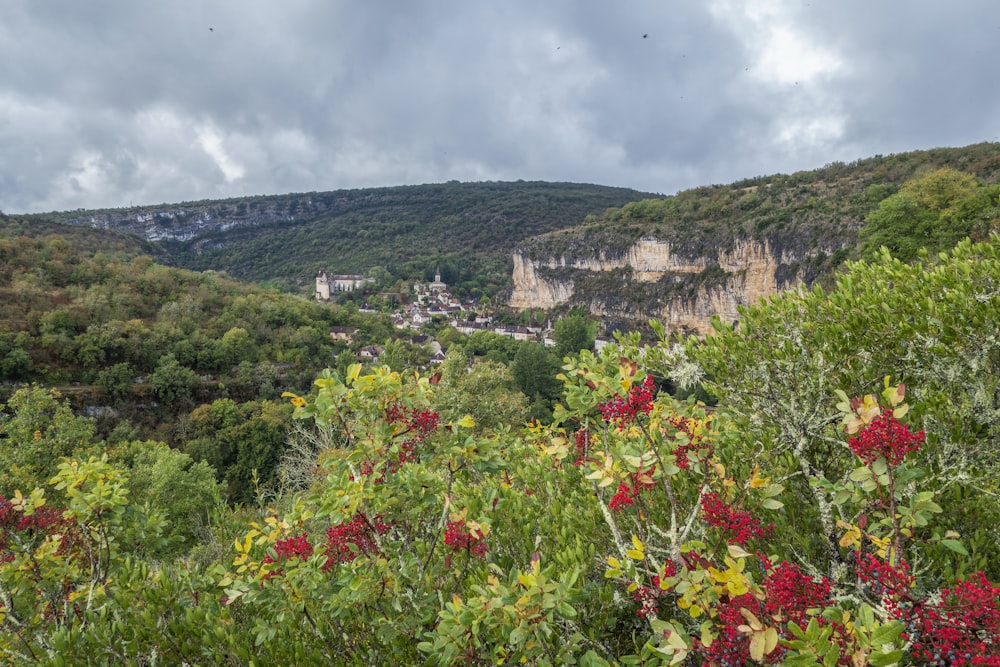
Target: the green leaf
(886, 659)
(955, 546)
(861, 474)
(887, 634)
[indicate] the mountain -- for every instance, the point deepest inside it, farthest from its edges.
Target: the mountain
(467, 230)
(706, 251)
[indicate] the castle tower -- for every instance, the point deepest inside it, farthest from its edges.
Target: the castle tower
(322, 286)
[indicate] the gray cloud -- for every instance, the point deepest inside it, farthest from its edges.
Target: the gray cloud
(108, 104)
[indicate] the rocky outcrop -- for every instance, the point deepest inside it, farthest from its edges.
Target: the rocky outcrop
(655, 281)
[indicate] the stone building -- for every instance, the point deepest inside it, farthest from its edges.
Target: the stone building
(327, 284)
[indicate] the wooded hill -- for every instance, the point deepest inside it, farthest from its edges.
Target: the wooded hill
(704, 252)
(825, 206)
(467, 230)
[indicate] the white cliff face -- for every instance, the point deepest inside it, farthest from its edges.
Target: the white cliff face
(533, 291)
(752, 267)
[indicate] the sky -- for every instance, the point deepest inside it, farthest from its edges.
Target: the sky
(107, 104)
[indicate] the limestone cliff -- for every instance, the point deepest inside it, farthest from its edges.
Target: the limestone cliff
(651, 279)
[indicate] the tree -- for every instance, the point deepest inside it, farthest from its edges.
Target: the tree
(239, 346)
(186, 492)
(486, 393)
(393, 354)
(172, 381)
(116, 381)
(38, 428)
(534, 372)
(934, 211)
(572, 334)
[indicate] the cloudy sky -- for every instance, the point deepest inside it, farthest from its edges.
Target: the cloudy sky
(111, 103)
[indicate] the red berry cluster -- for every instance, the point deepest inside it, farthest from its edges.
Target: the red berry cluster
(739, 526)
(623, 411)
(417, 425)
(694, 441)
(295, 547)
(890, 582)
(646, 598)
(348, 540)
(791, 594)
(581, 449)
(625, 497)
(963, 629)
(420, 422)
(885, 436)
(458, 536)
(41, 522)
(731, 647)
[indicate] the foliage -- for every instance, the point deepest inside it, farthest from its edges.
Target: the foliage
(534, 373)
(486, 392)
(184, 491)
(931, 324)
(572, 334)
(37, 429)
(934, 211)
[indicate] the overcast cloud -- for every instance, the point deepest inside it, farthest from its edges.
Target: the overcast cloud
(113, 103)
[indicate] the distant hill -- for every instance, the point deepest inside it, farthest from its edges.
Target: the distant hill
(467, 230)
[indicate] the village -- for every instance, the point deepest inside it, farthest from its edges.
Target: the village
(430, 303)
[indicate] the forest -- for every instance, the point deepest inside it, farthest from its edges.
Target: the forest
(814, 484)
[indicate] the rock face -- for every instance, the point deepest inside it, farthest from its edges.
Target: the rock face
(671, 286)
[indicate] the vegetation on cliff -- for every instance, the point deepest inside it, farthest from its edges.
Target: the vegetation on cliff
(801, 228)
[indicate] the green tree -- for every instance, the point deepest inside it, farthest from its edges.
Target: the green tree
(239, 346)
(37, 428)
(572, 334)
(534, 372)
(116, 381)
(393, 355)
(486, 392)
(934, 211)
(173, 382)
(184, 491)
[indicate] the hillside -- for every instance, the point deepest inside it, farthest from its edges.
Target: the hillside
(468, 230)
(84, 239)
(706, 251)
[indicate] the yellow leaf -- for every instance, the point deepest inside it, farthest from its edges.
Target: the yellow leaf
(637, 543)
(754, 622)
(757, 643)
(851, 537)
(736, 551)
(770, 640)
